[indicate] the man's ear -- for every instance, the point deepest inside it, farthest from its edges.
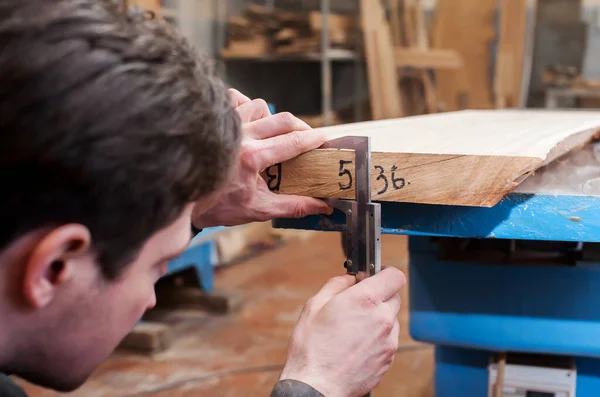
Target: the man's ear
(52, 262)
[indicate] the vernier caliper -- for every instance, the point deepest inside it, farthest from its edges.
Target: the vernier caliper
(363, 217)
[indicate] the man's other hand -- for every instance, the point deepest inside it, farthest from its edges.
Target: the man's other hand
(267, 140)
(347, 335)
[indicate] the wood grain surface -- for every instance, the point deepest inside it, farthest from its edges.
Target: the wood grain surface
(470, 158)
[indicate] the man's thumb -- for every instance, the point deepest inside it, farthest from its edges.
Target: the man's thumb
(334, 286)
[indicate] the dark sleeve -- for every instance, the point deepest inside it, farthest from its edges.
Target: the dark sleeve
(294, 388)
(10, 389)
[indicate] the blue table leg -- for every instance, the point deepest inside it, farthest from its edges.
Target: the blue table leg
(200, 256)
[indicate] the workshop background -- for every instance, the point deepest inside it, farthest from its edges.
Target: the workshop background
(228, 305)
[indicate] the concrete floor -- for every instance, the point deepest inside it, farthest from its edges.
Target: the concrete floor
(241, 354)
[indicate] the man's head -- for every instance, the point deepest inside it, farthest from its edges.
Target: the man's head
(110, 126)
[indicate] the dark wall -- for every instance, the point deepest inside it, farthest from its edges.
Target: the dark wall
(295, 86)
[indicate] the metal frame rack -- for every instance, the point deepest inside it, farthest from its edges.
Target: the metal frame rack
(325, 57)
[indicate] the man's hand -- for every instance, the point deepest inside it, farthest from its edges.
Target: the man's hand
(267, 140)
(347, 335)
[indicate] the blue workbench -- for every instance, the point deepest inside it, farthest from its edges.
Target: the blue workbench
(470, 308)
(517, 216)
(201, 256)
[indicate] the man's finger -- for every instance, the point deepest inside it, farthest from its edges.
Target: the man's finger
(395, 334)
(393, 304)
(382, 285)
(288, 206)
(252, 111)
(275, 125)
(284, 147)
(237, 98)
(335, 286)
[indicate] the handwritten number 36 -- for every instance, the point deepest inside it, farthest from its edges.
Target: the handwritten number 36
(397, 183)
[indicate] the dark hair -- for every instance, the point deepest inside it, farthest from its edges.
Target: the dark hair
(106, 119)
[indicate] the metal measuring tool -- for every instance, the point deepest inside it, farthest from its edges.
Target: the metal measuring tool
(363, 218)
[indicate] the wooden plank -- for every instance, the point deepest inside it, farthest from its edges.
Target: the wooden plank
(256, 47)
(409, 23)
(381, 69)
(341, 28)
(510, 53)
(470, 158)
(411, 87)
(428, 59)
(148, 337)
(395, 23)
(528, 50)
(216, 301)
(466, 26)
(422, 42)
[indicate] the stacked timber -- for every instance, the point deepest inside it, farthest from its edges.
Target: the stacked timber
(264, 31)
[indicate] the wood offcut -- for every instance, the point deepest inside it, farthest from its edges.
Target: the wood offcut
(470, 158)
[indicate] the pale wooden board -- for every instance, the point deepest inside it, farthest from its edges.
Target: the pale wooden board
(471, 157)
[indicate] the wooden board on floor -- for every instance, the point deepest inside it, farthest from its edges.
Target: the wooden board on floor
(470, 158)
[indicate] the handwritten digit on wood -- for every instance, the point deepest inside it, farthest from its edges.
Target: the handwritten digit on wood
(382, 176)
(274, 181)
(345, 172)
(398, 183)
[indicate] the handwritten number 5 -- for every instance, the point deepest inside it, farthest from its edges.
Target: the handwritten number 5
(347, 173)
